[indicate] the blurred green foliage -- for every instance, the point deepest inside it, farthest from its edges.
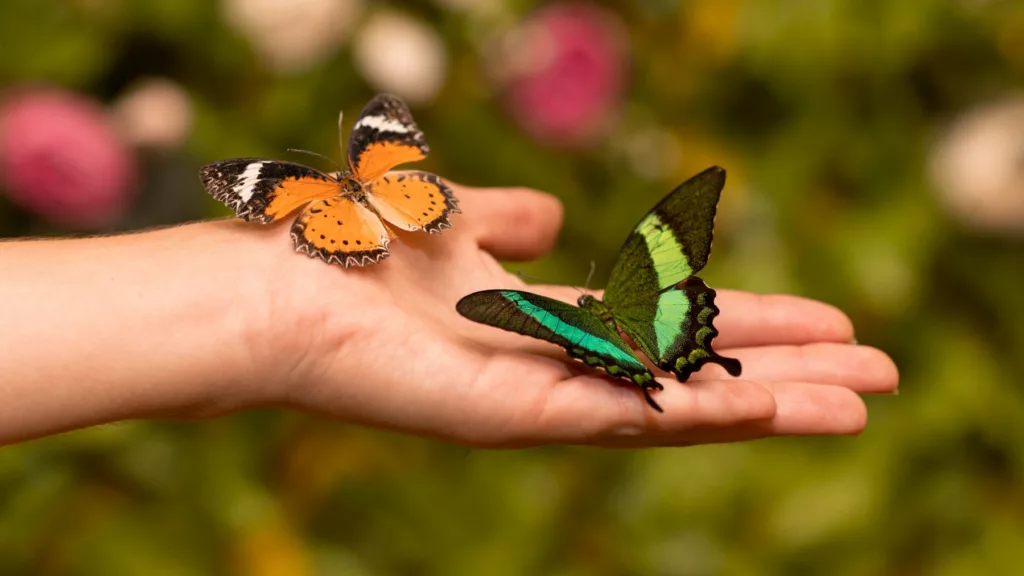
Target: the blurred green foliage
(824, 114)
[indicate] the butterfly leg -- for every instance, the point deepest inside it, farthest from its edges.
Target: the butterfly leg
(650, 401)
(647, 383)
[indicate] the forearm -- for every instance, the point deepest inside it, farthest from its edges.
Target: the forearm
(103, 329)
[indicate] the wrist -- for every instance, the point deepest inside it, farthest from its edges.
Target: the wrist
(230, 312)
(259, 310)
(293, 317)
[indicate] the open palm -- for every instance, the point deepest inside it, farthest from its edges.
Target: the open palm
(384, 346)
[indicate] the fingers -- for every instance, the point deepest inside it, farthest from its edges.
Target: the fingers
(749, 319)
(597, 411)
(862, 369)
(802, 409)
(511, 223)
(733, 411)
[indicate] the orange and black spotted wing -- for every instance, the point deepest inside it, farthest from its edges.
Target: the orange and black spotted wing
(413, 201)
(384, 136)
(265, 190)
(341, 230)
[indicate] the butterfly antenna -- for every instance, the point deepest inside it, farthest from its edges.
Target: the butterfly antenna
(593, 266)
(527, 276)
(333, 163)
(522, 274)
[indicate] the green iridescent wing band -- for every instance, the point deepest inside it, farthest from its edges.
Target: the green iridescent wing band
(671, 243)
(675, 328)
(582, 334)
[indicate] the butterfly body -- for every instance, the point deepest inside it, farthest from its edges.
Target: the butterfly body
(346, 216)
(597, 308)
(349, 185)
(652, 297)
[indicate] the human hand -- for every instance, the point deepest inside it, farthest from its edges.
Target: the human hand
(384, 346)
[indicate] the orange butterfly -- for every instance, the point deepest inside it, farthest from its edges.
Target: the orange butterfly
(341, 221)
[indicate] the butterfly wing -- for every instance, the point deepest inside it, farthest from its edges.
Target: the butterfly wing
(670, 243)
(341, 230)
(582, 334)
(653, 296)
(674, 328)
(265, 190)
(413, 201)
(384, 136)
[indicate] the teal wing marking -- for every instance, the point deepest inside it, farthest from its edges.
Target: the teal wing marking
(670, 243)
(674, 328)
(582, 334)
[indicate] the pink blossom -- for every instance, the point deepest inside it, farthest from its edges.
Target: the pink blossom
(565, 68)
(61, 159)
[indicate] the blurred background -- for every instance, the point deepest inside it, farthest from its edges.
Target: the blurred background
(875, 157)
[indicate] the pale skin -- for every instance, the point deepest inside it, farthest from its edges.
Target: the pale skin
(206, 319)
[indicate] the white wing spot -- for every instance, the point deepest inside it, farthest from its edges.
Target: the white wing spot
(383, 124)
(249, 178)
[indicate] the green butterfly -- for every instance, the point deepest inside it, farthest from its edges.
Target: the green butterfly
(652, 296)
